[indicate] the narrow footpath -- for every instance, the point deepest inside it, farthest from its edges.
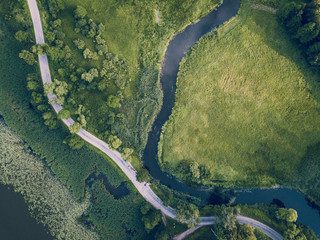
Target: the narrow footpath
(143, 188)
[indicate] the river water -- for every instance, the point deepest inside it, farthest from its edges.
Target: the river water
(308, 214)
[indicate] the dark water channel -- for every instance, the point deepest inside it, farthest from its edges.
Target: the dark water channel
(308, 214)
(117, 192)
(16, 222)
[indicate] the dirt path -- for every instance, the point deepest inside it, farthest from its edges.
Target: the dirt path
(264, 8)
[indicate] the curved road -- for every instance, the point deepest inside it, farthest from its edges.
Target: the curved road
(143, 188)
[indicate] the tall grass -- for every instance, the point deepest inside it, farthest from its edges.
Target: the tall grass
(247, 106)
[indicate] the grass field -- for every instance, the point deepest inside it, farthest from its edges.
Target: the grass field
(247, 107)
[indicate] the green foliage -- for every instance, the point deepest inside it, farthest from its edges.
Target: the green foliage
(114, 141)
(227, 215)
(22, 36)
(302, 21)
(59, 88)
(113, 102)
(260, 235)
(74, 142)
(288, 215)
(151, 217)
(64, 114)
(79, 43)
(80, 12)
(127, 152)
(116, 219)
(70, 167)
(267, 214)
(50, 120)
(188, 213)
(39, 49)
(143, 175)
(28, 57)
(75, 128)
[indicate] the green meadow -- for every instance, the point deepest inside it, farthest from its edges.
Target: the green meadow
(247, 109)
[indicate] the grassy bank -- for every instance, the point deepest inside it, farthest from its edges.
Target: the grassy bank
(247, 109)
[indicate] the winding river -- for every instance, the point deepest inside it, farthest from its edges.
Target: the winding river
(309, 214)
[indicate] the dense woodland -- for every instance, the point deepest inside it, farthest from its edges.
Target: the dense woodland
(302, 21)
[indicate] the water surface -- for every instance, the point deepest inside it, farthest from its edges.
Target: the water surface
(16, 222)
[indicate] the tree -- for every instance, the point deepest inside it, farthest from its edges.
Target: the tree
(246, 232)
(151, 219)
(59, 88)
(114, 141)
(80, 44)
(292, 232)
(22, 36)
(50, 36)
(101, 28)
(39, 49)
(32, 85)
(313, 54)
(260, 234)
(188, 213)
(64, 114)
(161, 235)
(227, 215)
(74, 142)
(127, 153)
(56, 23)
(113, 101)
(291, 16)
(89, 76)
(80, 12)
(143, 175)
(49, 88)
(75, 128)
(50, 120)
(28, 57)
(102, 49)
(81, 23)
(307, 32)
(288, 215)
(36, 98)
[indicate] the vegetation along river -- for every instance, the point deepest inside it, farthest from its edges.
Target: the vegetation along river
(308, 214)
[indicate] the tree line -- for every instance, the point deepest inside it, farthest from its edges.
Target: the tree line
(302, 21)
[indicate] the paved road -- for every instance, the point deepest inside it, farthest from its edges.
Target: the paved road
(186, 233)
(143, 188)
